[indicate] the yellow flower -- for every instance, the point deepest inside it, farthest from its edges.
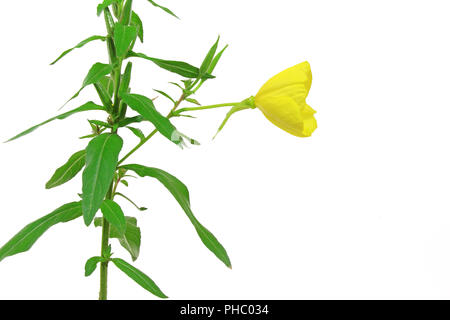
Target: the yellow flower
(282, 100)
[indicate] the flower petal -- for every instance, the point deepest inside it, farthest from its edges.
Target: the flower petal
(294, 82)
(287, 114)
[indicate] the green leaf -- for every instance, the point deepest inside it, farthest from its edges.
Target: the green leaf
(227, 117)
(163, 8)
(216, 59)
(81, 44)
(137, 22)
(165, 95)
(126, 78)
(91, 265)
(100, 123)
(139, 277)
(182, 68)
(89, 106)
(128, 199)
(125, 17)
(68, 171)
(144, 106)
(137, 132)
(101, 160)
(193, 101)
(127, 121)
(108, 83)
(95, 74)
(104, 5)
(131, 240)
(25, 239)
(124, 36)
(181, 194)
(114, 214)
(209, 57)
(104, 95)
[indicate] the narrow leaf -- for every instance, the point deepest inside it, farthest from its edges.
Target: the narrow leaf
(101, 160)
(126, 78)
(124, 36)
(137, 22)
(139, 277)
(114, 214)
(165, 95)
(125, 18)
(25, 239)
(144, 106)
(181, 194)
(137, 132)
(163, 8)
(91, 265)
(182, 68)
(227, 117)
(67, 171)
(89, 106)
(80, 45)
(216, 59)
(209, 57)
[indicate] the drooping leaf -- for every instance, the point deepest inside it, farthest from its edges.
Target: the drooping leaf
(129, 200)
(95, 74)
(139, 277)
(124, 36)
(91, 265)
(137, 22)
(182, 68)
(102, 6)
(79, 45)
(131, 240)
(181, 194)
(67, 171)
(144, 106)
(114, 214)
(101, 160)
(89, 106)
(163, 8)
(25, 239)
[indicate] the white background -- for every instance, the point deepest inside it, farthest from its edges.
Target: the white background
(358, 211)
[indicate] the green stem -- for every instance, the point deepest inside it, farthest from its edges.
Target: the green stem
(104, 265)
(213, 106)
(103, 295)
